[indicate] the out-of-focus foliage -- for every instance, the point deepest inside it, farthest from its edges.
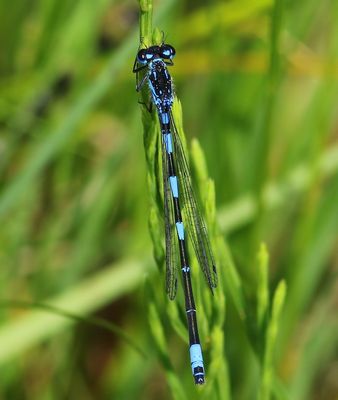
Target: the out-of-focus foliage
(258, 84)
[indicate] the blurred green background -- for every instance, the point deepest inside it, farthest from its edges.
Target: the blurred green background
(258, 82)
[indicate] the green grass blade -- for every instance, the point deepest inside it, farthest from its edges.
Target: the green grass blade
(82, 299)
(268, 369)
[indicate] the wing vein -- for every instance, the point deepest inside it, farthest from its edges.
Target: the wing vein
(170, 242)
(196, 225)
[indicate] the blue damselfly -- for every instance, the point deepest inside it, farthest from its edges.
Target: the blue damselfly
(181, 212)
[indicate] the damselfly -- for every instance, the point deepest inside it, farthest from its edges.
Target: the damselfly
(181, 212)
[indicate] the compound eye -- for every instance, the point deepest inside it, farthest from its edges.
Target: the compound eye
(149, 56)
(143, 56)
(167, 51)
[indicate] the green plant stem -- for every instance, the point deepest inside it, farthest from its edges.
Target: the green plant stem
(273, 77)
(146, 21)
(270, 342)
(262, 139)
(262, 285)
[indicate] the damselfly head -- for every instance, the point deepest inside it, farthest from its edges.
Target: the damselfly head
(167, 51)
(164, 51)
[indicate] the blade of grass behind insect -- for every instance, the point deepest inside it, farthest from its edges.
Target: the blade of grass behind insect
(311, 264)
(263, 286)
(316, 233)
(83, 298)
(96, 321)
(318, 340)
(268, 369)
(262, 139)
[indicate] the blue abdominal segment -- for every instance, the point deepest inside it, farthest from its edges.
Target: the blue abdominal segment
(197, 365)
(174, 186)
(180, 230)
(168, 142)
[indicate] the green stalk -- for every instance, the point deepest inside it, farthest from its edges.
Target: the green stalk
(146, 22)
(263, 285)
(268, 370)
(262, 139)
(273, 79)
(211, 311)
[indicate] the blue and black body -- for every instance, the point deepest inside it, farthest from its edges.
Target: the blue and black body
(180, 206)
